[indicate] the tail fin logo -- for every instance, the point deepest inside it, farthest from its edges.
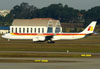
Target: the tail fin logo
(90, 28)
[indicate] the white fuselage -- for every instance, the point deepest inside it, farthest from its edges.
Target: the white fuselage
(41, 37)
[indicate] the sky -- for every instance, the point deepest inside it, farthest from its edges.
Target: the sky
(77, 4)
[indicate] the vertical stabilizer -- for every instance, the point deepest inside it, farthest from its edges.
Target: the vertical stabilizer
(90, 28)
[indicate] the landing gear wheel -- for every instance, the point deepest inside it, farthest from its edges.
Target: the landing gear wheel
(49, 41)
(8, 39)
(52, 41)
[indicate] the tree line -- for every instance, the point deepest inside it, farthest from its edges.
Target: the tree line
(64, 13)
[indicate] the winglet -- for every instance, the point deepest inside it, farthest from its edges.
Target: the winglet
(90, 28)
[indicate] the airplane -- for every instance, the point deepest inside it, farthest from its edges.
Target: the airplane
(51, 37)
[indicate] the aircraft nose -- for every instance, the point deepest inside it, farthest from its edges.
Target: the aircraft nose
(3, 36)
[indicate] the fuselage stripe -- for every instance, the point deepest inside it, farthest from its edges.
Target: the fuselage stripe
(47, 34)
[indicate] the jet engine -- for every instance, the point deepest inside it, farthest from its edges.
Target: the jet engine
(38, 39)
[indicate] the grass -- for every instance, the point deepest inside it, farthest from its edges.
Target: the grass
(45, 55)
(34, 61)
(89, 44)
(37, 55)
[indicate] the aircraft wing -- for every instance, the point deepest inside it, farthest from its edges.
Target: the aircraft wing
(48, 37)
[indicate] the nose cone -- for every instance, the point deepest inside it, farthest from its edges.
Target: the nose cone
(6, 36)
(3, 36)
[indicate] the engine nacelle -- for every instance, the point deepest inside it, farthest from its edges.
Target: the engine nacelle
(38, 39)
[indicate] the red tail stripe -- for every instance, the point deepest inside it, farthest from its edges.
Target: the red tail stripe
(89, 28)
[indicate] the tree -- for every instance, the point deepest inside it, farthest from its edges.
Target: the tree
(57, 11)
(22, 11)
(64, 13)
(93, 14)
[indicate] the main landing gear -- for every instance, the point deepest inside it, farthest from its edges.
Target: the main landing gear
(50, 41)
